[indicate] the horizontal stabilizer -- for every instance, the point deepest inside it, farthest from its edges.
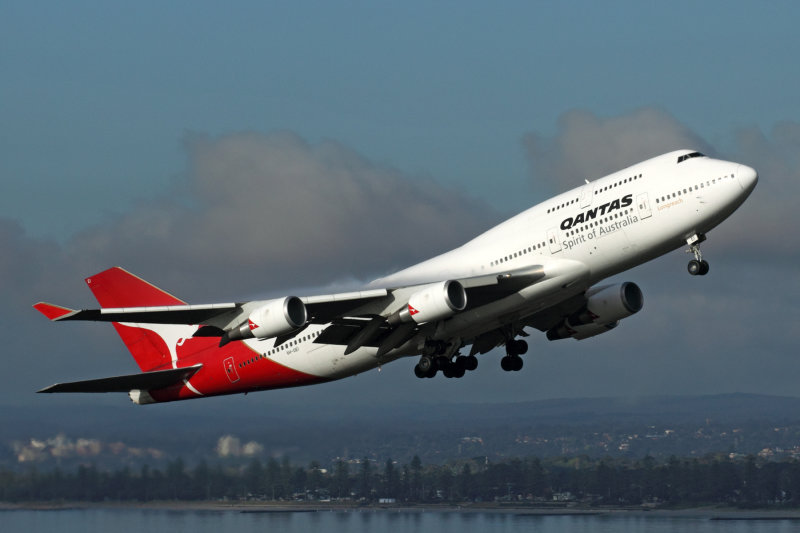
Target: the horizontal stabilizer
(173, 314)
(54, 312)
(144, 381)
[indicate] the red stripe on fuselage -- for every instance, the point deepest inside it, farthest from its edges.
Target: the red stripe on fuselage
(257, 372)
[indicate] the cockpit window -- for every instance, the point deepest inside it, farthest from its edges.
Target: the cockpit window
(683, 158)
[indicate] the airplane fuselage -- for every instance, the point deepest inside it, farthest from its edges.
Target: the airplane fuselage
(600, 229)
(569, 243)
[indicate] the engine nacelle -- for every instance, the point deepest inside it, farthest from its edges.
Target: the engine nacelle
(434, 302)
(605, 307)
(566, 330)
(275, 318)
(614, 302)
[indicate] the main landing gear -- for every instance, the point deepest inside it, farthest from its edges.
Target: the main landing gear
(444, 357)
(512, 362)
(697, 266)
(451, 368)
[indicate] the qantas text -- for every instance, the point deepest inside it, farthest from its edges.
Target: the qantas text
(591, 214)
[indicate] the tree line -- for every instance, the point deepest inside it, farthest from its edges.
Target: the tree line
(677, 481)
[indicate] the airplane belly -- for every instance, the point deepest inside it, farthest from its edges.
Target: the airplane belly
(563, 278)
(329, 361)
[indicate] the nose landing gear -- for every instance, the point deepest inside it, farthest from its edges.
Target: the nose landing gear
(697, 266)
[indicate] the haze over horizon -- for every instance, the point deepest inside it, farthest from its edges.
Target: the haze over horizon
(235, 152)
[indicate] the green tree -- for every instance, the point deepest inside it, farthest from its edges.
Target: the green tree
(365, 484)
(341, 479)
(390, 480)
(315, 478)
(416, 489)
(272, 482)
(464, 484)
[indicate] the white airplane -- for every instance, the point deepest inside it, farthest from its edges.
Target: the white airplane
(539, 269)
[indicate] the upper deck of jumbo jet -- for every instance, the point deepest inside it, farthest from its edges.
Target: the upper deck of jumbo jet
(645, 176)
(572, 198)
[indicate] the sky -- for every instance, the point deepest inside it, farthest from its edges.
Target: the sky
(252, 149)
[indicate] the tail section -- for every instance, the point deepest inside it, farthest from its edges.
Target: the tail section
(116, 287)
(148, 343)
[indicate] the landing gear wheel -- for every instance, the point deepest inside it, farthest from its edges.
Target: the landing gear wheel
(441, 363)
(511, 363)
(419, 372)
(515, 348)
(697, 266)
(425, 365)
(459, 371)
(471, 362)
(521, 347)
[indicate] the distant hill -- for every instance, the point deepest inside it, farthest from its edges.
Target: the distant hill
(147, 422)
(682, 425)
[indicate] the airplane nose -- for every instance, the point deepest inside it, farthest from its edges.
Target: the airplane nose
(747, 176)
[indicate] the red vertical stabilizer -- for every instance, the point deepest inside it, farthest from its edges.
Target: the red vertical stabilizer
(116, 287)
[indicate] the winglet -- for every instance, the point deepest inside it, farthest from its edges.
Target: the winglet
(54, 312)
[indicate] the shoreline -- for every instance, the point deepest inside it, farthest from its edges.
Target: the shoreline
(707, 512)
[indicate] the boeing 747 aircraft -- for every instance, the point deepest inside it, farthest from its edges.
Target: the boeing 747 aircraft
(541, 269)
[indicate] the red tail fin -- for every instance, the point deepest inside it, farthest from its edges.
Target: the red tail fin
(117, 287)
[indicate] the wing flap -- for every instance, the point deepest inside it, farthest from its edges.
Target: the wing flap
(482, 290)
(323, 309)
(144, 381)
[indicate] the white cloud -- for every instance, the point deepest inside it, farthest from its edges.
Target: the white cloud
(231, 446)
(588, 147)
(262, 211)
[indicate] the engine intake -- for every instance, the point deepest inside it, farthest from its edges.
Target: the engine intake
(435, 302)
(275, 318)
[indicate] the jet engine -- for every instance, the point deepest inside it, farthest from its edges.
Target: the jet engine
(605, 307)
(434, 302)
(275, 318)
